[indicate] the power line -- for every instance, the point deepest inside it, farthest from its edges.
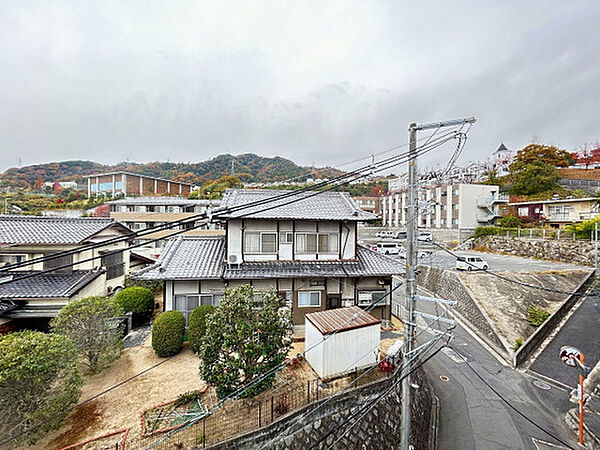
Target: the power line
(224, 211)
(392, 161)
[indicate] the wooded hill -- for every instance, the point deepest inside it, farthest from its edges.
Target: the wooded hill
(249, 167)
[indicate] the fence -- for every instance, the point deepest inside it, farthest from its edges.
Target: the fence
(240, 416)
(540, 233)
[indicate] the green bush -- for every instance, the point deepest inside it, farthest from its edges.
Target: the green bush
(583, 230)
(156, 286)
(138, 300)
(536, 316)
(518, 343)
(509, 221)
(167, 333)
(197, 325)
(484, 231)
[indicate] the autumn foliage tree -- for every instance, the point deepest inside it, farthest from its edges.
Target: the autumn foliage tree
(245, 338)
(546, 154)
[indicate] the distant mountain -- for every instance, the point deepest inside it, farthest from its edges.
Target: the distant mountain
(248, 167)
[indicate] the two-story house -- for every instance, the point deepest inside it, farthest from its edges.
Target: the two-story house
(35, 300)
(307, 251)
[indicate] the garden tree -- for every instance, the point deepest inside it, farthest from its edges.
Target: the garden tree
(492, 178)
(39, 381)
(532, 178)
(89, 323)
(510, 221)
(546, 154)
(197, 325)
(137, 300)
(584, 229)
(245, 338)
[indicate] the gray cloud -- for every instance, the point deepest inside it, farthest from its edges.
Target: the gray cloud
(322, 83)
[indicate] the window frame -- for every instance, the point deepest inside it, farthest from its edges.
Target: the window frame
(260, 243)
(319, 251)
(309, 293)
(380, 302)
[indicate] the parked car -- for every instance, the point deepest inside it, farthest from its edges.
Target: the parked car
(384, 234)
(471, 263)
(420, 254)
(425, 236)
(399, 235)
(390, 248)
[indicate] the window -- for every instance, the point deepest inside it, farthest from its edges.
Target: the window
(287, 237)
(366, 298)
(317, 242)
(114, 265)
(58, 262)
(309, 299)
(11, 259)
(186, 303)
(523, 211)
(256, 242)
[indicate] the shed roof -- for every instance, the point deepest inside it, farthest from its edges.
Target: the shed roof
(341, 319)
(304, 205)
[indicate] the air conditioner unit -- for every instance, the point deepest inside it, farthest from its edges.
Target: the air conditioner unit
(234, 260)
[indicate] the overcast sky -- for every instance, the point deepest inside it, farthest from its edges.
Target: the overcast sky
(323, 82)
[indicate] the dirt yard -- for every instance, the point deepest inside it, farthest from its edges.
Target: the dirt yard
(122, 406)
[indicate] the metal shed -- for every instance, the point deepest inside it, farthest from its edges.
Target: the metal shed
(339, 341)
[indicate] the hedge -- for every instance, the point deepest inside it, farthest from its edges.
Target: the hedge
(138, 300)
(167, 333)
(197, 325)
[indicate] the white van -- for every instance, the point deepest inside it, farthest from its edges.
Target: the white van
(389, 248)
(471, 263)
(425, 236)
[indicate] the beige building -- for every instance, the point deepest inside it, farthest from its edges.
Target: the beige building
(451, 206)
(127, 183)
(38, 298)
(558, 213)
(146, 213)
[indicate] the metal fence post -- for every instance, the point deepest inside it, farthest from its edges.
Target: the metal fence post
(271, 409)
(543, 233)
(558, 235)
(519, 232)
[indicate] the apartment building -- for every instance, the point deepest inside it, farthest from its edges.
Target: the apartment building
(38, 298)
(557, 213)
(369, 204)
(127, 183)
(145, 213)
(307, 251)
(451, 206)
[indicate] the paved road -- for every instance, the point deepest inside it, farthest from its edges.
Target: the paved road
(497, 263)
(473, 417)
(582, 330)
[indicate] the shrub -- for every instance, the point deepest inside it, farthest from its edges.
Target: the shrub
(536, 316)
(39, 382)
(484, 231)
(518, 343)
(197, 325)
(138, 300)
(509, 221)
(87, 322)
(583, 230)
(167, 333)
(156, 286)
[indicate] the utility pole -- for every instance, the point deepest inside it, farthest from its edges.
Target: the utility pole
(411, 284)
(596, 246)
(411, 263)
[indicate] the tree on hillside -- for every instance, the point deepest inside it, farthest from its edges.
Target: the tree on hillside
(215, 189)
(492, 178)
(546, 154)
(39, 381)
(39, 184)
(247, 335)
(532, 178)
(88, 322)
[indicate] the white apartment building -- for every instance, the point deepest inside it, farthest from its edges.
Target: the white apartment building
(450, 206)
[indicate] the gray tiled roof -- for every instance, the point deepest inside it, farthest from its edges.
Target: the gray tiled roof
(188, 257)
(50, 230)
(158, 200)
(202, 257)
(304, 205)
(47, 285)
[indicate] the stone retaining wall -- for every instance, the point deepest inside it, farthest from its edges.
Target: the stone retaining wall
(446, 284)
(567, 250)
(379, 428)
